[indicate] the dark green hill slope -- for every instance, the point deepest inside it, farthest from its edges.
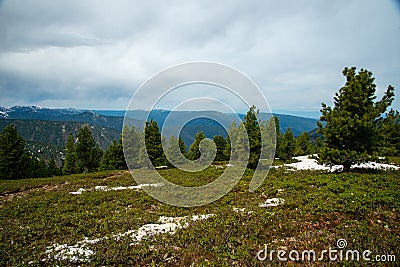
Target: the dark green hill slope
(56, 132)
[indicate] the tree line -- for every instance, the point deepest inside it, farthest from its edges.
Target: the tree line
(356, 129)
(17, 162)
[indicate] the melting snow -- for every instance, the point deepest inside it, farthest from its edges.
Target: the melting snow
(306, 163)
(272, 202)
(80, 252)
(241, 210)
(106, 188)
(80, 191)
(161, 167)
(237, 210)
(77, 253)
(3, 114)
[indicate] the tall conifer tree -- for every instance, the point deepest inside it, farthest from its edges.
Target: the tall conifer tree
(351, 133)
(71, 158)
(153, 143)
(14, 160)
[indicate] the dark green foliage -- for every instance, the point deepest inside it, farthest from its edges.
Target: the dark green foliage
(278, 137)
(52, 168)
(269, 141)
(14, 160)
(47, 151)
(303, 144)
(71, 158)
(390, 131)
(41, 170)
(285, 143)
(173, 151)
(97, 156)
(87, 151)
(82, 156)
(239, 143)
(55, 133)
(17, 163)
(220, 144)
(194, 150)
(114, 158)
(351, 133)
(227, 149)
(134, 151)
(153, 143)
(84, 149)
(287, 146)
(182, 146)
(254, 134)
(318, 144)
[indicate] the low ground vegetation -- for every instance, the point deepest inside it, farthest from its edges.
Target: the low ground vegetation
(318, 209)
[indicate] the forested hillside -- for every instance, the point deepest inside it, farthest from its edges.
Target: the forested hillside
(107, 121)
(55, 133)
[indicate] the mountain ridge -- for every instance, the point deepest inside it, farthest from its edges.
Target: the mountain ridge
(210, 122)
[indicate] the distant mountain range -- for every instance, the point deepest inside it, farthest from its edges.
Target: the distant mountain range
(50, 114)
(50, 126)
(48, 138)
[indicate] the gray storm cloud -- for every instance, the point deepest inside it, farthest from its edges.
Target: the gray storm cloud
(95, 54)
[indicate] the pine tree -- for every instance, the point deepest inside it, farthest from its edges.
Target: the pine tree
(114, 158)
(390, 134)
(182, 146)
(175, 151)
(268, 137)
(153, 142)
(227, 148)
(41, 170)
(71, 158)
(134, 151)
(97, 157)
(287, 146)
(172, 152)
(303, 144)
(220, 144)
(84, 149)
(254, 134)
(239, 143)
(14, 160)
(319, 144)
(207, 151)
(52, 169)
(351, 133)
(88, 152)
(194, 150)
(278, 149)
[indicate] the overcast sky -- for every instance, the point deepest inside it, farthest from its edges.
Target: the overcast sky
(95, 54)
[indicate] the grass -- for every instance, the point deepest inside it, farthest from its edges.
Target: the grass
(393, 160)
(319, 209)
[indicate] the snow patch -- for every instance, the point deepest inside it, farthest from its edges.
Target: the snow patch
(76, 253)
(3, 114)
(237, 210)
(307, 163)
(105, 188)
(162, 167)
(241, 210)
(81, 252)
(272, 202)
(79, 192)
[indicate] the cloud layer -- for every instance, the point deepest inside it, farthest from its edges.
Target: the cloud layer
(95, 54)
